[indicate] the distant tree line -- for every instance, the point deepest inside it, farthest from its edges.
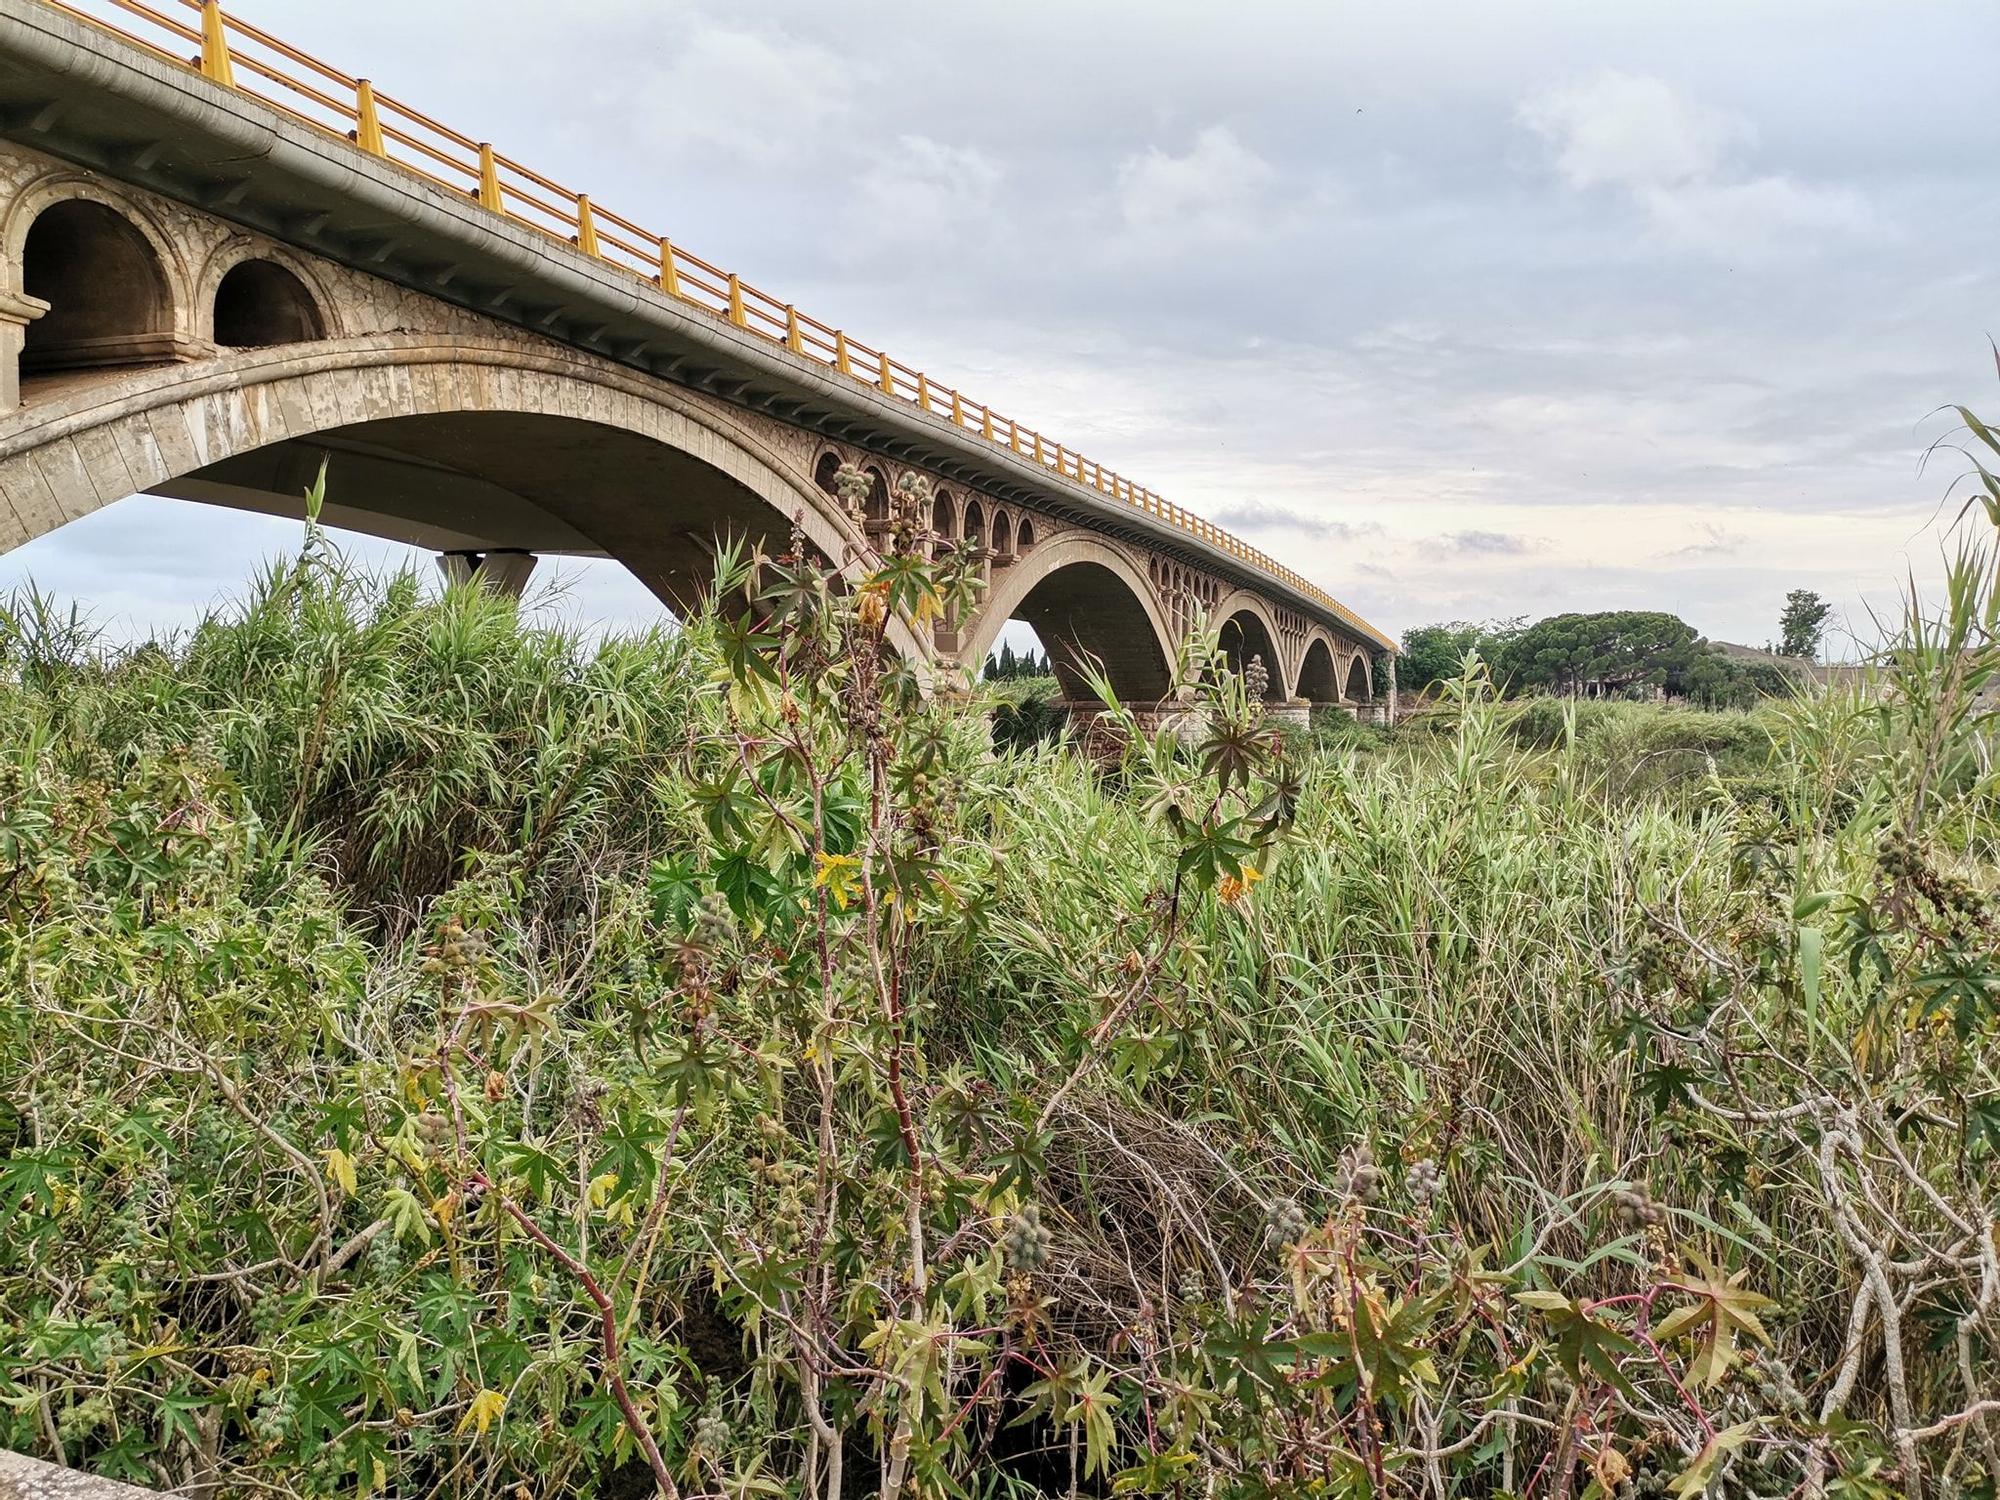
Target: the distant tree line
(1613, 654)
(1005, 666)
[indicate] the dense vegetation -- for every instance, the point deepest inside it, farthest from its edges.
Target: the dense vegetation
(444, 1059)
(1612, 653)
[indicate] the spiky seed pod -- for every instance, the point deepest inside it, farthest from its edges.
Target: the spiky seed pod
(1027, 1244)
(384, 1257)
(272, 1419)
(1285, 1221)
(1635, 1209)
(1424, 1181)
(1358, 1177)
(713, 920)
(83, 1418)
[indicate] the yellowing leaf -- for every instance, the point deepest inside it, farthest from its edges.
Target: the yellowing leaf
(600, 1188)
(840, 876)
(1697, 1476)
(1723, 1308)
(484, 1411)
(340, 1169)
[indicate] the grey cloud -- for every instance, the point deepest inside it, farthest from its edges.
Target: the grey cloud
(1671, 154)
(1713, 542)
(1486, 543)
(1264, 515)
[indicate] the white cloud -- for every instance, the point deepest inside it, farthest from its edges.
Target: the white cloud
(1673, 156)
(754, 95)
(1617, 129)
(926, 193)
(1218, 187)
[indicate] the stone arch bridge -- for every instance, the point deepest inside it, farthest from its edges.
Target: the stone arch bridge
(208, 287)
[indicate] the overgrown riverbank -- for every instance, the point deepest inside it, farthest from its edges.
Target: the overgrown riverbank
(437, 1053)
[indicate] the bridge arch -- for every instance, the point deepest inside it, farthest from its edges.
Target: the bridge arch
(827, 470)
(259, 303)
(1245, 627)
(116, 289)
(1360, 682)
(1085, 599)
(1319, 671)
(877, 504)
(593, 461)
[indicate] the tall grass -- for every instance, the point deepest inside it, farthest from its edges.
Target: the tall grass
(1484, 944)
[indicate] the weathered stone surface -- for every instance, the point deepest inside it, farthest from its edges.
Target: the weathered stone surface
(23, 1478)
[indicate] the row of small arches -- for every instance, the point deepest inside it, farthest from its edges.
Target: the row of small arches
(111, 300)
(989, 528)
(1184, 590)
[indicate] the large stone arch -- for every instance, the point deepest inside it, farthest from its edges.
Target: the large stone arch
(1320, 670)
(51, 188)
(247, 429)
(1085, 598)
(1247, 627)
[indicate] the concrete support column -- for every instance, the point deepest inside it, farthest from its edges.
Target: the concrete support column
(1391, 660)
(505, 570)
(17, 311)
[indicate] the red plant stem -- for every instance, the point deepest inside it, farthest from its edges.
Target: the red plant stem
(614, 1360)
(973, 1400)
(1642, 1330)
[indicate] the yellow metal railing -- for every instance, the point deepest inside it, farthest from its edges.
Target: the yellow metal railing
(232, 52)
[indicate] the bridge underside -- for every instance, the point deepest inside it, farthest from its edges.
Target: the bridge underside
(458, 482)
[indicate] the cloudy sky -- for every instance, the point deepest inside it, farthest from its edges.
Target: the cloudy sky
(1464, 309)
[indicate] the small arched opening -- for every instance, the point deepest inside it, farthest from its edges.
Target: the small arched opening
(1003, 536)
(1244, 638)
(260, 303)
(944, 517)
(878, 499)
(1024, 537)
(975, 524)
(826, 472)
(1318, 681)
(106, 290)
